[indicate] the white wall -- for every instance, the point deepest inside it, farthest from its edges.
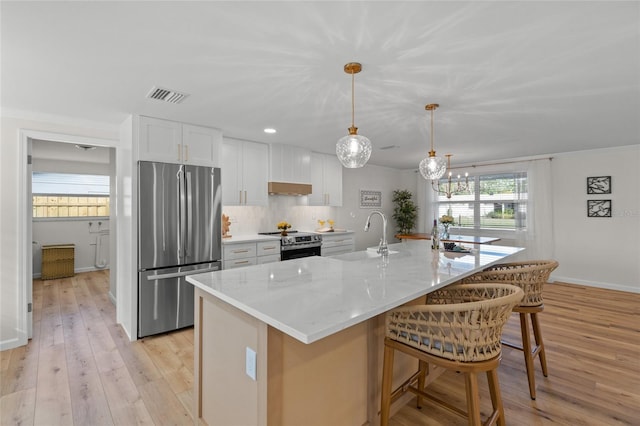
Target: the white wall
(374, 178)
(12, 243)
(602, 252)
(91, 240)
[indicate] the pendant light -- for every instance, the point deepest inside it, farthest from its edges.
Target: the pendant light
(353, 150)
(432, 167)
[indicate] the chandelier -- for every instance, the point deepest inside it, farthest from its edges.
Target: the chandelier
(450, 187)
(432, 167)
(353, 150)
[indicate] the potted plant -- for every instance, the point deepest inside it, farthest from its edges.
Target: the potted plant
(405, 212)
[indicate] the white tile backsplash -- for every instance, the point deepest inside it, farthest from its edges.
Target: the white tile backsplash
(248, 220)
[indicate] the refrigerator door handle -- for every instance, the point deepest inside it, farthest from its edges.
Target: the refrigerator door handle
(181, 274)
(189, 213)
(181, 212)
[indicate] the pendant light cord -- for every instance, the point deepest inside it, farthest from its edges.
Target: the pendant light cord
(432, 130)
(353, 101)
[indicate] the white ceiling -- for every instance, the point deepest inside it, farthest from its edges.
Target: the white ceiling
(513, 78)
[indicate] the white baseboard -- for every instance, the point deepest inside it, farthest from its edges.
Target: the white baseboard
(609, 286)
(113, 299)
(10, 343)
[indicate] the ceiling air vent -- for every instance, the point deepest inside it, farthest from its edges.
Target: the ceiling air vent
(166, 95)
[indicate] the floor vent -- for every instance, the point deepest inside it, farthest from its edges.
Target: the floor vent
(166, 95)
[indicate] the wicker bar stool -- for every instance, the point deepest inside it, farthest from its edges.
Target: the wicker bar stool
(529, 276)
(458, 329)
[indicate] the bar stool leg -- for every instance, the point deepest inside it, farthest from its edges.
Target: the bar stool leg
(387, 379)
(473, 398)
(424, 370)
(528, 358)
(496, 397)
(537, 334)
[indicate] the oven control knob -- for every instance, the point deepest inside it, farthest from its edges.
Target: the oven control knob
(288, 241)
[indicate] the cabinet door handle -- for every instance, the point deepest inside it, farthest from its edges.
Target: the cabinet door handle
(240, 262)
(179, 152)
(240, 197)
(186, 152)
(268, 248)
(245, 197)
(240, 251)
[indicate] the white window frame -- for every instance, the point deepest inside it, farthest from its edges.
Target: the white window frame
(502, 233)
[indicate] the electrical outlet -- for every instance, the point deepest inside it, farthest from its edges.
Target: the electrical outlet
(250, 363)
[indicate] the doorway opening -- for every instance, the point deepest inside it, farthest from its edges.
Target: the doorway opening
(93, 232)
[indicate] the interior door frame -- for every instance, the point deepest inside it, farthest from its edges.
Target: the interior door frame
(25, 219)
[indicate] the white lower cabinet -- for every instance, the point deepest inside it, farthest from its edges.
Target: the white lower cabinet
(343, 242)
(249, 253)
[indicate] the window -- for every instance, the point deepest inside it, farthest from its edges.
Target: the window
(69, 195)
(493, 201)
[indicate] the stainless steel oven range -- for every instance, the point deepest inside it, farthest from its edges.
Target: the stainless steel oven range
(298, 244)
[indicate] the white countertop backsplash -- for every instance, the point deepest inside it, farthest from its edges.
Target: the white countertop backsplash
(249, 220)
(314, 297)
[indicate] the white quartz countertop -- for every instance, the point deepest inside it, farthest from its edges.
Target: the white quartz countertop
(250, 239)
(314, 297)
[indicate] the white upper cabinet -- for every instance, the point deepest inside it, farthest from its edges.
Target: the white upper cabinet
(326, 180)
(201, 146)
(173, 142)
(289, 164)
(245, 171)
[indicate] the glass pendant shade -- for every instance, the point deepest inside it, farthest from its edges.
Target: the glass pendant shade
(353, 150)
(433, 168)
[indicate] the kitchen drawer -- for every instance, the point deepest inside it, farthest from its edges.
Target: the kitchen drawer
(337, 244)
(332, 251)
(239, 251)
(268, 258)
(266, 248)
(238, 263)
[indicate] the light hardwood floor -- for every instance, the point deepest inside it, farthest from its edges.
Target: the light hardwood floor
(80, 368)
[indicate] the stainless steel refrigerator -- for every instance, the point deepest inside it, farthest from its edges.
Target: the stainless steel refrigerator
(179, 208)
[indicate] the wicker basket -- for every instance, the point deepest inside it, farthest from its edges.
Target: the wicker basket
(459, 322)
(58, 261)
(529, 276)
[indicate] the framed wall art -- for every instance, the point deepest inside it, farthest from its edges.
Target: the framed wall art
(598, 208)
(599, 185)
(370, 199)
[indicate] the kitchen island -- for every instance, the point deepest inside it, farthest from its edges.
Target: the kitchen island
(299, 342)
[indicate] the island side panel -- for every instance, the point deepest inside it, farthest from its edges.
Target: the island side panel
(322, 383)
(225, 394)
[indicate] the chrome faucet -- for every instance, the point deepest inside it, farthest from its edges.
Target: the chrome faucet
(382, 248)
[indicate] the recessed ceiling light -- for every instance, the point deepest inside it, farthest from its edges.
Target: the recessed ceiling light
(269, 130)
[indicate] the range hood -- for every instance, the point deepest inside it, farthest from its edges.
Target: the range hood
(289, 188)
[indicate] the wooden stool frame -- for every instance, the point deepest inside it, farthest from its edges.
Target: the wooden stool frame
(415, 384)
(459, 328)
(531, 277)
